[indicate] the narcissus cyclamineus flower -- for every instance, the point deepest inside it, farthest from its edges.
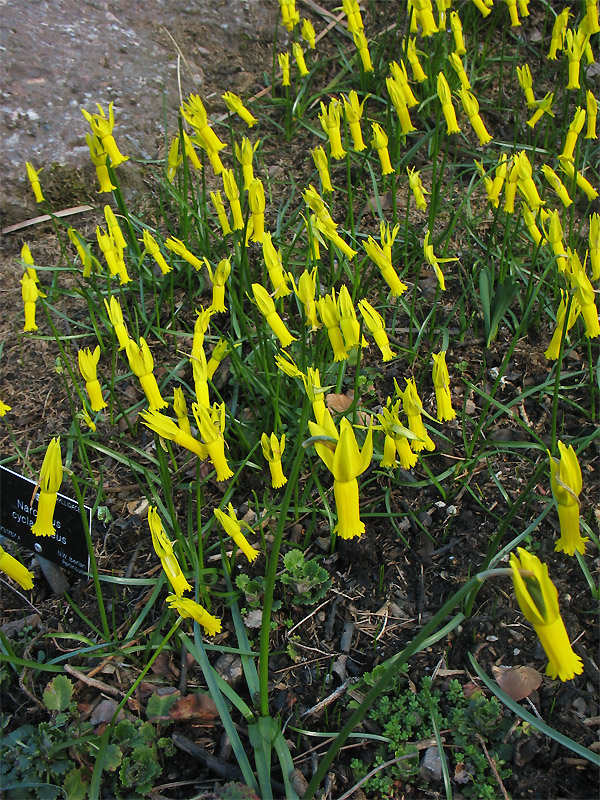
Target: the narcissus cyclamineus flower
(34, 180)
(526, 83)
(218, 278)
(30, 294)
(325, 223)
(298, 54)
(398, 98)
(575, 128)
(114, 255)
(186, 607)
(51, 475)
(529, 218)
(141, 364)
(544, 106)
(115, 315)
(273, 448)
(362, 45)
(343, 458)
(553, 350)
(592, 115)
(380, 143)
(594, 243)
(235, 104)
(88, 363)
(256, 203)
(483, 7)
(349, 324)
(458, 67)
(4, 409)
(515, 22)
(232, 191)
(102, 128)
(153, 248)
(308, 33)
(555, 237)
(555, 182)
(330, 119)
(435, 262)
(412, 54)
(413, 408)
(441, 383)
(580, 180)
(233, 528)
(566, 483)
(219, 352)
(457, 32)
(88, 260)
(585, 295)
(418, 190)
(99, 158)
(320, 158)
(558, 33)
(305, 292)
(167, 428)
(330, 317)
(245, 155)
(284, 65)
(525, 182)
(211, 424)
(376, 325)
(383, 261)
(180, 409)
(353, 110)
(574, 45)
(193, 111)
(538, 599)
(15, 570)
(164, 550)
(471, 107)
(266, 306)
(352, 12)
(174, 159)
(178, 247)
(289, 15)
(217, 201)
(400, 78)
(397, 438)
(445, 96)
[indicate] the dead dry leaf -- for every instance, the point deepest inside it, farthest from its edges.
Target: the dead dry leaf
(197, 706)
(339, 402)
(517, 682)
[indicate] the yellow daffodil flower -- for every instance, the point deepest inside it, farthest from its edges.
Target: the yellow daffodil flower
(553, 350)
(174, 159)
(354, 111)
(34, 180)
(4, 409)
(523, 7)
(273, 448)
(233, 195)
(274, 264)
(194, 113)
(457, 66)
(418, 190)
(346, 462)
(200, 328)
(181, 411)
(498, 181)
(471, 107)
(555, 237)
(534, 231)
(102, 128)
(424, 13)
(584, 292)
(320, 159)
(413, 408)
(396, 435)
(592, 115)
(219, 352)
(115, 315)
(325, 223)
(457, 32)
(200, 376)
(592, 25)
(30, 294)
(594, 243)
(88, 261)
(298, 54)
(376, 325)
(538, 599)
(266, 307)
(141, 364)
(218, 278)
(236, 106)
(544, 106)
(84, 415)
(167, 428)
(178, 247)
(245, 156)
(510, 188)
(526, 83)
(361, 44)
(99, 158)
(284, 65)
(515, 22)
(164, 550)
(482, 7)
(15, 570)
(51, 475)
(233, 528)
(153, 248)
(330, 118)
(574, 45)
(352, 12)
(186, 607)
(445, 96)
(113, 253)
(330, 317)
(558, 33)
(435, 262)
(256, 202)
(398, 98)
(308, 33)
(349, 324)
(566, 483)
(413, 59)
(305, 292)
(289, 14)
(580, 180)
(211, 424)
(525, 182)
(380, 143)
(217, 201)
(441, 383)
(400, 78)
(190, 153)
(555, 182)
(383, 261)
(573, 132)
(88, 362)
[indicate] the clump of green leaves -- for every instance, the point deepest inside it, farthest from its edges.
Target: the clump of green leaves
(37, 761)
(408, 716)
(308, 579)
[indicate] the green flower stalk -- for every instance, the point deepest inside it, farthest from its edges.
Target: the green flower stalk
(538, 599)
(153, 248)
(236, 106)
(51, 476)
(15, 570)
(88, 363)
(221, 213)
(266, 306)
(102, 128)
(566, 483)
(34, 180)
(343, 458)
(211, 425)
(141, 364)
(115, 315)
(273, 448)
(186, 607)
(376, 325)
(164, 550)
(233, 528)
(167, 428)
